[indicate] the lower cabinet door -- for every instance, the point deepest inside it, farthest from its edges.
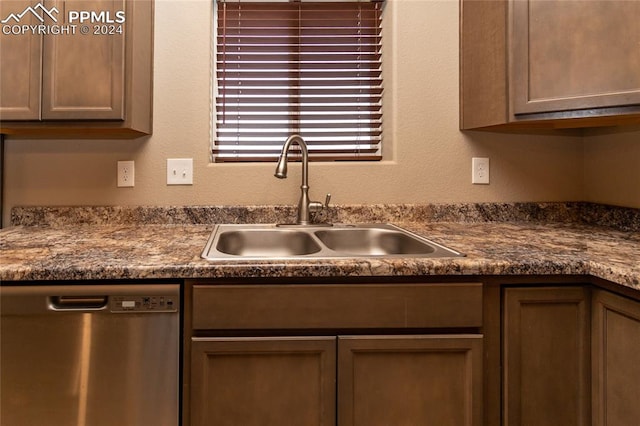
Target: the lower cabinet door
(410, 380)
(546, 356)
(616, 360)
(263, 381)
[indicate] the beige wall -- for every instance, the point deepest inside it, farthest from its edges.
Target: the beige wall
(612, 168)
(427, 159)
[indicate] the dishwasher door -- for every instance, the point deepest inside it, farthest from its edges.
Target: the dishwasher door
(89, 355)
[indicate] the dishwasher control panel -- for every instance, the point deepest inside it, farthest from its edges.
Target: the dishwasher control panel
(143, 304)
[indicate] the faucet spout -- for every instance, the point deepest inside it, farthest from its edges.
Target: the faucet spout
(281, 167)
(304, 204)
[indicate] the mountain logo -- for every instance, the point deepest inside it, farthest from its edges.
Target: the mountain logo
(39, 11)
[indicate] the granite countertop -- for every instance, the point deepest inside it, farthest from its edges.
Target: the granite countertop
(55, 244)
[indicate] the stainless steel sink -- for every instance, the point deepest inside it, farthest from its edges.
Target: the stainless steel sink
(256, 241)
(373, 242)
(266, 243)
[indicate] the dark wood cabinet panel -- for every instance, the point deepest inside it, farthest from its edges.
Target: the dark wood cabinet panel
(530, 66)
(546, 356)
(616, 360)
(263, 381)
(20, 66)
(83, 75)
(575, 54)
(410, 380)
(381, 380)
(92, 80)
(337, 306)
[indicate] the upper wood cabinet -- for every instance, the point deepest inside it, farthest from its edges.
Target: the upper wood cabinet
(20, 67)
(89, 79)
(531, 64)
(83, 76)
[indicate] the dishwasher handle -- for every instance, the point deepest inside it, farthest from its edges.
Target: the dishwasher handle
(72, 303)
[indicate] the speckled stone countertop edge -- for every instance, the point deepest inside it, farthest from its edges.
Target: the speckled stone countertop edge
(315, 270)
(300, 268)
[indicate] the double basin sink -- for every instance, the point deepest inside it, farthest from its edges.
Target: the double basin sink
(269, 241)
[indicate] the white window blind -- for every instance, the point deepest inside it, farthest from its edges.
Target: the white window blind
(308, 68)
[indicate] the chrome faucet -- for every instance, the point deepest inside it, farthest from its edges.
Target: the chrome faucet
(305, 206)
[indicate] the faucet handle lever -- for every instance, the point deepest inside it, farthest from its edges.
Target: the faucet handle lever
(316, 206)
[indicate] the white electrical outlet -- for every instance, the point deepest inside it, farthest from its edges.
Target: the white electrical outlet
(126, 173)
(180, 171)
(480, 171)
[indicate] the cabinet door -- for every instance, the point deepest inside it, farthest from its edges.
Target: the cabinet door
(263, 381)
(20, 63)
(410, 380)
(546, 357)
(83, 73)
(574, 54)
(616, 356)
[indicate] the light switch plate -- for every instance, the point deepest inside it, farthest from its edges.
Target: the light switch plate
(180, 171)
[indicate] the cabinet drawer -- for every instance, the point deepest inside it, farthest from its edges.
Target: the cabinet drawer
(337, 306)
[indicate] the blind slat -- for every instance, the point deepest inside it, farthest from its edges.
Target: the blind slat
(299, 67)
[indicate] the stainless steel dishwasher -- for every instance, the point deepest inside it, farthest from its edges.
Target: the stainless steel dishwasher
(89, 355)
